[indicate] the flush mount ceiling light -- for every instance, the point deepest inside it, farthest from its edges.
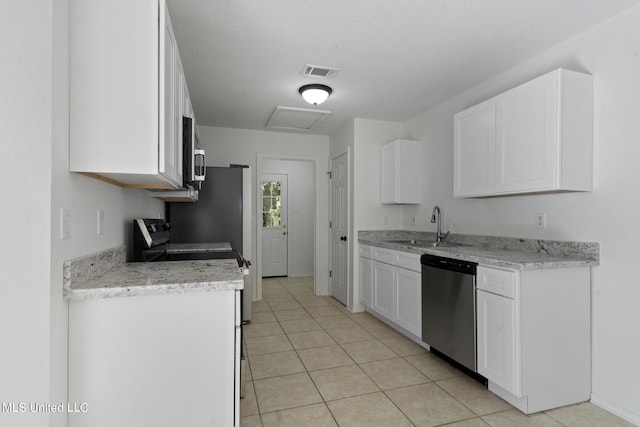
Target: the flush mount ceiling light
(315, 93)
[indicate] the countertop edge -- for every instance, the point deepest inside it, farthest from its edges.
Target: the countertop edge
(458, 253)
(145, 290)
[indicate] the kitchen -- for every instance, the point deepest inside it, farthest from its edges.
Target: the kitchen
(35, 329)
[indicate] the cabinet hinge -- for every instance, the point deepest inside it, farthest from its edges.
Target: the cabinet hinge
(330, 273)
(330, 174)
(330, 224)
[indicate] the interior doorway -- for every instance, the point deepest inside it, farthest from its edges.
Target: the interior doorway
(296, 223)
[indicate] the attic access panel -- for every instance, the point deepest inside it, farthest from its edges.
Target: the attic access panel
(291, 118)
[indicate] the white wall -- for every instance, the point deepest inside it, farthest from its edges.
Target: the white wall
(607, 215)
(242, 146)
(25, 133)
(370, 135)
(364, 138)
(34, 134)
(300, 212)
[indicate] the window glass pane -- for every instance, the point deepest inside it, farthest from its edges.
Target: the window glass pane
(266, 188)
(275, 188)
(270, 203)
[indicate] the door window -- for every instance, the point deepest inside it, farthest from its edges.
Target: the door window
(270, 204)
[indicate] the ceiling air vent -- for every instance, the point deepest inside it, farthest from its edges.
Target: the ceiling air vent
(319, 71)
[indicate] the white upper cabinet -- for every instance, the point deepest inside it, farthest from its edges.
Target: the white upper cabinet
(534, 138)
(400, 172)
(125, 93)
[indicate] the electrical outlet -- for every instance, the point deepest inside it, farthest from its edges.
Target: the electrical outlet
(540, 220)
(385, 219)
(414, 220)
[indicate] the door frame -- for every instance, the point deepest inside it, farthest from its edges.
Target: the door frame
(318, 172)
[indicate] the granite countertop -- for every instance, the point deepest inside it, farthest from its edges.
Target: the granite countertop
(108, 275)
(514, 253)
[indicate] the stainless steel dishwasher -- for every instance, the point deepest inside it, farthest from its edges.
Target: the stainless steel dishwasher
(449, 308)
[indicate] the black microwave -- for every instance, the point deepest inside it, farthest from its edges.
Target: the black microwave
(194, 161)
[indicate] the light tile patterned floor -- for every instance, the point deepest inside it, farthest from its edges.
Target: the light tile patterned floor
(314, 364)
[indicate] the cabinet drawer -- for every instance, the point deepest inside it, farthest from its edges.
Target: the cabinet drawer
(407, 260)
(366, 251)
(383, 255)
(500, 282)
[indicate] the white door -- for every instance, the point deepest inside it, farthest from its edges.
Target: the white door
(273, 188)
(339, 229)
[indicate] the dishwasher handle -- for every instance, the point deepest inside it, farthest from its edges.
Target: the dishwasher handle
(451, 264)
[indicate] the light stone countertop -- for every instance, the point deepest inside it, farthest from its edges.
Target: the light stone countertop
(513, 253)
(106, 275)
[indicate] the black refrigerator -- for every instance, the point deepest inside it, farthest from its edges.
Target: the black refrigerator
(221, 214)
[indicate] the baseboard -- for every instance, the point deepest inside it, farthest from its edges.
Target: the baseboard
(627, 414)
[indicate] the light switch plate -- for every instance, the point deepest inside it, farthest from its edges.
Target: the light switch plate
(65, 223)
(100, 221)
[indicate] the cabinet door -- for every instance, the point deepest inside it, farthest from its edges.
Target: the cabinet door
(383, 289)
(366, 281)
(400, 172)
(168, 160)
(388, 173)
(497, 349)
(474, 150)
(527, 140)
(407, 286)
(179, 113)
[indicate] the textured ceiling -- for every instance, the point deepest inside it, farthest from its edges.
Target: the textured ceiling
(242, 58)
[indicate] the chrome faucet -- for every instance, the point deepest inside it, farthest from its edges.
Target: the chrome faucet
(435, 218)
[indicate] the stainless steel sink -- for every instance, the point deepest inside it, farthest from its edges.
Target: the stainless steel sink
(424, 243)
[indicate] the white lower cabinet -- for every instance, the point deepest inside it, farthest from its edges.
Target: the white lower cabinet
(390, 286)
(156, 360)
(534, 335)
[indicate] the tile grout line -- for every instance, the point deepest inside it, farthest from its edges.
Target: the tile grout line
(325, 329)
(301, 362)
(358, 364)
